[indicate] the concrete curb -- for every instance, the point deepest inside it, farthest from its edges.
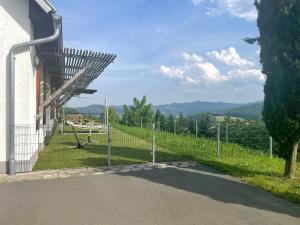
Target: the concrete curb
(90, 171)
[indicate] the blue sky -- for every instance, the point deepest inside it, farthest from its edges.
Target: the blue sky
(168, 50)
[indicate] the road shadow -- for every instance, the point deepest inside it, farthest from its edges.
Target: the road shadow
(206, 181)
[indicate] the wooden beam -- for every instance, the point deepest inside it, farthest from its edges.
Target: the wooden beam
(59, 91)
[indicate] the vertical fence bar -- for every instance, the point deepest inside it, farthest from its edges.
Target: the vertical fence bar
(153, 143)
(271, 147)
(175, 125)
(109, 146)
(63, 118)
(196, 128)
(158, 122)
(226, 132)
(218, 140)
(90, 132)
(62, 125)
(106, 113)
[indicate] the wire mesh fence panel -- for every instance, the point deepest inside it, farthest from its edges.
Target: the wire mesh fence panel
(138, 145)
(128, 148)
(212, 141)
(168, 146)
(86, 145)
(50, 148)
(252, 138)
(27, 146)
(73, 150)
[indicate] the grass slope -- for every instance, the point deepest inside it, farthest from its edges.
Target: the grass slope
(251, 166)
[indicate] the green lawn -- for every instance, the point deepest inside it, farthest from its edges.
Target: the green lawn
(125, 149)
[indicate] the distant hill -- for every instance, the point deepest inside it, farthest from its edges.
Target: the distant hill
(90, 109)
(174, 108)
(195, 107)
(95, 109)
(250, 111)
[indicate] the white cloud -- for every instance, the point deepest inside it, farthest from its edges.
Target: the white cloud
(209, 72)
(172, 72)
(178, 73)
(192, 57)
(243, 9)
(230, 57)
(196, 2)
(196, 71)
(246, 76)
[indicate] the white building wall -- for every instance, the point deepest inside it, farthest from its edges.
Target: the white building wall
(15, 27)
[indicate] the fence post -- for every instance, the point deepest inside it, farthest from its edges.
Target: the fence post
(153, 143)
(109, 146)
(218, 140)
(196, 128)
(63, 118)
(226, 132)
(90, 132)
(175, 125)
(62, 126)
(271, 147)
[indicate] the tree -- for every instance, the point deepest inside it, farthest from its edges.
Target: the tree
(125, 115)
(139, 114)
(206, 123)
(279, 25)
(160, 121)
(170, 123)
(182, 125)
(112, 115)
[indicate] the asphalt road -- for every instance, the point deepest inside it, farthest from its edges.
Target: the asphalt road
(170, 196)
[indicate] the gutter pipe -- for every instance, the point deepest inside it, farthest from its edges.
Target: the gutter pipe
(11, 146)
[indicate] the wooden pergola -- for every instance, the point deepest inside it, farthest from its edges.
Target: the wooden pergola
(75, 70)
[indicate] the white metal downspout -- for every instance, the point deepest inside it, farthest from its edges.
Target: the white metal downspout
(11, 114)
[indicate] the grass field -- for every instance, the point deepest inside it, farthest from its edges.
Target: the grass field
(60, 152)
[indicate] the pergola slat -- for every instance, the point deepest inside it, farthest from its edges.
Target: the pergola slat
(72, 62)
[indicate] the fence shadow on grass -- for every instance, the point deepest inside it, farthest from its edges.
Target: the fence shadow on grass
(95, 155)
(134, 154)
(207, 182)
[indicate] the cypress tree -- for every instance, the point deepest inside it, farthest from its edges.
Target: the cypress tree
(279, 25)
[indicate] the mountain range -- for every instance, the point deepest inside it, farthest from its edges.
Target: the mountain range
(252, 111)
(247, 111)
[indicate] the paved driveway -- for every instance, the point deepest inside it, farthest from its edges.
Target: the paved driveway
(169, 196)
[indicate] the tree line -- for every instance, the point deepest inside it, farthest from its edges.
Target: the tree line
(252, 134)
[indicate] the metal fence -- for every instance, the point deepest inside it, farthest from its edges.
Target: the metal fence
(63, 146)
